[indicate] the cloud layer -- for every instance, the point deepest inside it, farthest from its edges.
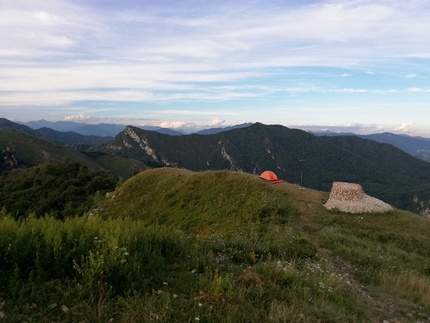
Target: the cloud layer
(368, 60)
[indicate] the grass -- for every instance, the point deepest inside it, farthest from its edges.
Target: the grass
(199, 203)
(171, 245)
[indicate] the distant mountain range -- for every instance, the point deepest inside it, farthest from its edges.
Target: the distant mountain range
(66, 137)
(108, 129)
(213, 131)
(416, 146)
(23, 147)
(101, 129)
(383, 170)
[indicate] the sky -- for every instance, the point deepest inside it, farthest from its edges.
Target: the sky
(347, 66)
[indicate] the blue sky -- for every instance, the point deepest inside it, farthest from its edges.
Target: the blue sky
(360, 66)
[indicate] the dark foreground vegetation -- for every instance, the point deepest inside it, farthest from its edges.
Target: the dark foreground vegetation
(60, 190)
(175, 246)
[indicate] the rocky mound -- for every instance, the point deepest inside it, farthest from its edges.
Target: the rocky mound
(350, 198)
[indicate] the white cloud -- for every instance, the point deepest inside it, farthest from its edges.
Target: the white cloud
(51, 28)
(346, 30)
(405, 127)
(352, 127)
(216, 122)
(417, 89)
(63, 52)
(78, 117)
(173, 125)
(348, 90)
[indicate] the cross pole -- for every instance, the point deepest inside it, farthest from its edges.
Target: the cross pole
(301, 169)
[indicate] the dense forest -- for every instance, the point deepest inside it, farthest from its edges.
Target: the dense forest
(59, 190)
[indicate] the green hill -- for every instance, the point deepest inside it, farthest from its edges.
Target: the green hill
(381, 260)
(198, 203)
(30, 151)
(384, 171)
(171, 245)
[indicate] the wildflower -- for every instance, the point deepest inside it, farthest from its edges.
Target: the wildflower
(200, 304)
(197, 318)
(165, 283)
(175, 296)
(64, 308)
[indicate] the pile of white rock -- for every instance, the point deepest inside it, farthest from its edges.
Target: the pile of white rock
(350, 198)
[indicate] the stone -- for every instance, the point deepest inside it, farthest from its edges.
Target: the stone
(350, 198)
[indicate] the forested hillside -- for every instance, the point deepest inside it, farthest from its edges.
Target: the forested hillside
(59, 190)
(22, 150)
(384, 171)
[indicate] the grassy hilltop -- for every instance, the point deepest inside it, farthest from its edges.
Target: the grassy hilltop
(171, 245)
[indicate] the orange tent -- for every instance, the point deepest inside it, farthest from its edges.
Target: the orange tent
(269, 176)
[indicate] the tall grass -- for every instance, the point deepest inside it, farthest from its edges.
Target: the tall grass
(167, 246)
(407, 284)
(122, 268)
(391, 251)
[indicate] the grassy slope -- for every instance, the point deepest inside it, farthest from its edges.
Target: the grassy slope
(197, 202)
(173, 245)
(385, 258)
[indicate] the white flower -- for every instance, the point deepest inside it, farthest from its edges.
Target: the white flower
(197, 318)
(200, 304)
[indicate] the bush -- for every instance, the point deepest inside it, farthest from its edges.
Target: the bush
(60, 190)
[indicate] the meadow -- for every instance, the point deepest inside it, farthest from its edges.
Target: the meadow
(172, 245)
